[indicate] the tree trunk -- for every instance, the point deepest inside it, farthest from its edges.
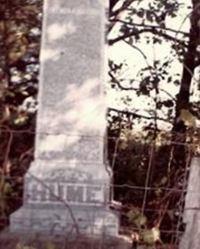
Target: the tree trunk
(183, 98)
(188, 69)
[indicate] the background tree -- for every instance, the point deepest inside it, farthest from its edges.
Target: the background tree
(20, 29)
(170, 122)
(138, 22)
(149, 24)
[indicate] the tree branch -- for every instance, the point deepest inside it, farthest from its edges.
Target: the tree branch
(145, 30)
(136, 115)
(152, 27)
(170, 95)
(124, 6)
(116, 13)
(119, 84)
(136, 89)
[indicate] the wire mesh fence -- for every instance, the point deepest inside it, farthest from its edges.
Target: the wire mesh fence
(147, 187)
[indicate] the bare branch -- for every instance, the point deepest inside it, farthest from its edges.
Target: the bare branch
(136, 115)
(139, 50)
(146, 30)
(152, 27)
(124, 6)
(170, 95)
(119, 84)
(115, 14)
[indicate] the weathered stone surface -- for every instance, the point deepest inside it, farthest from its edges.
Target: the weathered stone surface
(42, 241)
(191, 237)
(70, 147)
(57, 189)
(58, 220)
(69, 174)
(72, 56)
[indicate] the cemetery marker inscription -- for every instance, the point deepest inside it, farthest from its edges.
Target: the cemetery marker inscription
(69, 165)
(68, 192)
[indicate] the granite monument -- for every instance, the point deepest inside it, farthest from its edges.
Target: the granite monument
(67, 186)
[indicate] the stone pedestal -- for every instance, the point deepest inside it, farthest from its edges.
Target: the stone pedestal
(191, 237)
(67, 186)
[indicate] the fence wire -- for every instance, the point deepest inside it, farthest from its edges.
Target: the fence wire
(161, 206)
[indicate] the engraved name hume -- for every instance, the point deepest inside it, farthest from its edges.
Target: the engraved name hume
(53, 192)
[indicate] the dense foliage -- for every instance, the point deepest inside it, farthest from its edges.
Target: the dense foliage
(20, 29)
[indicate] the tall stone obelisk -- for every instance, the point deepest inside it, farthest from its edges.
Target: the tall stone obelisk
(68, 182)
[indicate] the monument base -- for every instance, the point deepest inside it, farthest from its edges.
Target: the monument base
(63, 220)
(191, 236)
(60, 200)
(9, 240)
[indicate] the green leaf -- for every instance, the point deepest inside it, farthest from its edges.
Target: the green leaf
(188, 118)
(137, 218)
(20, 120)
(151, 236)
